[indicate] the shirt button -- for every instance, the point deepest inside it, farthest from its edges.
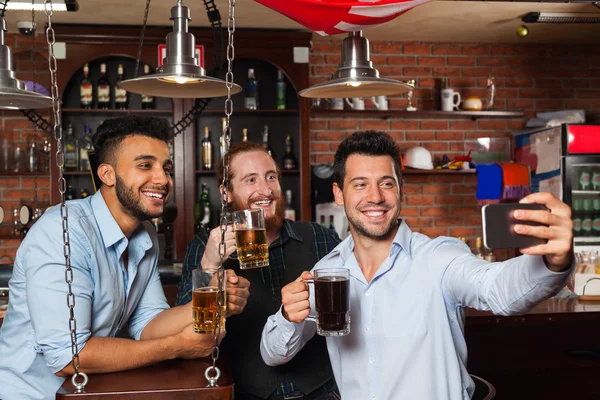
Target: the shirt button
(367, 328)
(371, 361)
(373, 396)
(368, 294)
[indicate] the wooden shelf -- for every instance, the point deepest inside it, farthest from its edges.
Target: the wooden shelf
(9, 173)
(114, 111)
(419, 114)
(253, 112)
(438, 172)
(212, 172)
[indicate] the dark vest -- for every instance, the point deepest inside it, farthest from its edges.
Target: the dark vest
(310, 368)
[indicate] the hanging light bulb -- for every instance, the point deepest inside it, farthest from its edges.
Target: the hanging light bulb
(356, 76)
(180, 76)
(13, 93)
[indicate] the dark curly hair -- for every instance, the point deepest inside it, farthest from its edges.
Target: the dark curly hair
(367, 143)
(112, 132)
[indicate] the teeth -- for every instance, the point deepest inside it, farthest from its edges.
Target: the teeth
(263, 203)
(155, 195)
(374, 213)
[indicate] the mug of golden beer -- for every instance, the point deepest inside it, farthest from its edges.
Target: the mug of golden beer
(251, 239)
(205, 285)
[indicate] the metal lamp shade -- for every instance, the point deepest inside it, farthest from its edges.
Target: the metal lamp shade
(180, 76)
(356, 76)
(13, 93)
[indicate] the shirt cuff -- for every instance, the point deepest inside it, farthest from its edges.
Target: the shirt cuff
(541, 273)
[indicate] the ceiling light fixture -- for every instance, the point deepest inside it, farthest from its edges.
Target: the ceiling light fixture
(38, 5)
(562, 18)
(180, 76)
(356, 76)
(13, 92)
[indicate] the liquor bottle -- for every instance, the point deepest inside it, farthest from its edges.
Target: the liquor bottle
(206, 150)
(323, 224)
(478, 252)
(265, 141)
(280, 89)
(595, 178)
(103, 89)
(586, 218)
(84, 193)
(86, 90)
(85, 144)
(331, 224)
(206, 207)
(596, 219)
(121, 95)
(577, 217)
(289, 161)
(18, 159)
(147, 101)
(222, 138)
(251, 92)
(290, 213)
(245, 135)
(32, 158)
(71, 150)
(584, 178)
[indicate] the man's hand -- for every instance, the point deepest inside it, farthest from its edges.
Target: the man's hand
(195, 345)
(211, 259)
(558, 251)
(238, 290)
(294, 297)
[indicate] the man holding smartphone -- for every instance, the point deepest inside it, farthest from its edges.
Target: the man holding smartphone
(408, 292)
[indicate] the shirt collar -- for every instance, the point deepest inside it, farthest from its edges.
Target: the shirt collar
(287, 232)
(109, 229)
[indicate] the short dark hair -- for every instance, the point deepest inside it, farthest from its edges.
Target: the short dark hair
(112, 132)
(367, 143)
(240, 148)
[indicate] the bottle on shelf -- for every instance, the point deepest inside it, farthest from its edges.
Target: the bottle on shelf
(86, 89)
(596, 219)
(103, 89)
(32, 156)
(586, 218)
(289, 161)
(584, 178)
(84, 193)
(71, 150)
(69, 194)
(265, 141)
(85, 144)
(121, 95)
(206, 208)
(251, 91)
(478, 252)
(18, 159)
(595, 179)
(222, 138)
(147, 101)
(290, 213)
(280, 91)
(323, 224)
(577, 217)
(197, 216)
(331, 224)
(245, 135)
(206, 150)
(490, 256)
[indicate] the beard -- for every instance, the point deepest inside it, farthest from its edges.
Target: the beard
(374, 234)
(272, 222)
(131, 204)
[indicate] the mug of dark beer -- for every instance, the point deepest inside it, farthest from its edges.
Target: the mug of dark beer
(332, 301)
(205, 285)
(251, 239)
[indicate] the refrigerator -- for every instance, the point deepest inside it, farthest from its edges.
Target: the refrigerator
(565, 160)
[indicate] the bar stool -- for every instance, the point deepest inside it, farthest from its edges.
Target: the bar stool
(483, 389)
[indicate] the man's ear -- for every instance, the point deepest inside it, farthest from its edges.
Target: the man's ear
(107, 175)
(338, 195)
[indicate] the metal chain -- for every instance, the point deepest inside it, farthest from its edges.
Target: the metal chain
(64, 212)
(35, 127)
(224, 198)
(139, 52)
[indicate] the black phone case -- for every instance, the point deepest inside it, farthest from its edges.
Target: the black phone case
(498, 226)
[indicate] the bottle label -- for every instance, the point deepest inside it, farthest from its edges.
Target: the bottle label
(596, 180)
(596, 224)
(289, 164)
(584, 180)
(206, 217)
(84, 161)
(103, 93)
(120, 95)
(70, 156)
(250, 103)
(85, 93)
(207, 157)
(586, 225)
(576, 225)
(147, 99)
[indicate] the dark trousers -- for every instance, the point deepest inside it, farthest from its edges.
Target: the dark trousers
(329, 391)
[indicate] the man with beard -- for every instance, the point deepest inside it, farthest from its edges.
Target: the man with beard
(408, 292)
(293, 247)
(115, 282)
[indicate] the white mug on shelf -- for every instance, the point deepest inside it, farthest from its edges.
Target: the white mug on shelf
(336, 104)
(450, 99)
(356, 104)
(380, 102)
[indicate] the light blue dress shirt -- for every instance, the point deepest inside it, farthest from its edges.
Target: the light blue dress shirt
(407, 324)
(34, 339)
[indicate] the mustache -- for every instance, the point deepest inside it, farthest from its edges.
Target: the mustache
(160, 188)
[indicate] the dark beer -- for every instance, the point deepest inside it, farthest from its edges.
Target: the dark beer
(252, 248)
(332, 304)
(204, 309)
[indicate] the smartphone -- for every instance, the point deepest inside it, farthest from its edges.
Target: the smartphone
(498, 226)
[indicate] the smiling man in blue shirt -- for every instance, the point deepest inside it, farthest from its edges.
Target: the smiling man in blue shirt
(117, 289)
(407, 291)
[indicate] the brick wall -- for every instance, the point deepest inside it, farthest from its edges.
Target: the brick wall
(529, 78)
(18, 190)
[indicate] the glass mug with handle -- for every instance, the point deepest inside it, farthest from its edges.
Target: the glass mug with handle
(251, 239)
(205, 286)
(332, 301)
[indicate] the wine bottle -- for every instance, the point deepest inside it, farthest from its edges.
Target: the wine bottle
(71, 162)
(85, 144)
(265, 141)
(103, 89)
(251, 91)
(206, 208)
(289, 161)
(86, 89)
(147, 101)
(290, 213)
(206, 150)
(121, 95)
(280, 90)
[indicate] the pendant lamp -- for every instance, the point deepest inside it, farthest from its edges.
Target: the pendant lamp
(13, 92)
(356, 76)
(180, 76)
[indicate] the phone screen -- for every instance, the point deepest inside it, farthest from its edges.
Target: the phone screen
(498, 226)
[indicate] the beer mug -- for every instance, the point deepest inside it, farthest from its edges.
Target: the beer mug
(251, 239)
(332, 301)
(356, 104)
(205, 285)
